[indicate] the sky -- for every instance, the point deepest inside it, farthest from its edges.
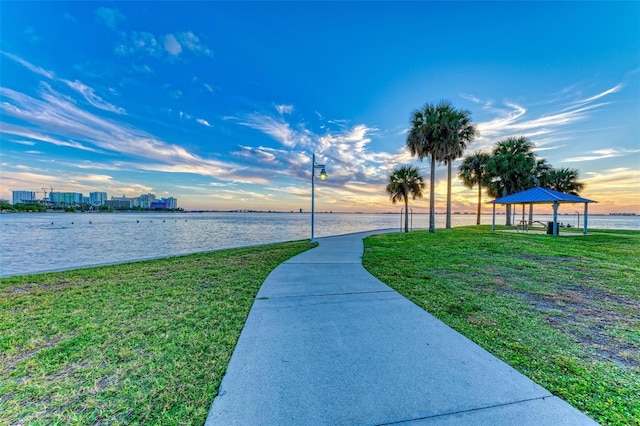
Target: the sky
(222, 104)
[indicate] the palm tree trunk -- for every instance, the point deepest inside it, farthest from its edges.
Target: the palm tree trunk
(448, 224)
(479, 202)
(508, 208)
(406, 213)
(432, 204)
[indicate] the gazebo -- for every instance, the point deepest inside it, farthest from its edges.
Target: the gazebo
(542, 196)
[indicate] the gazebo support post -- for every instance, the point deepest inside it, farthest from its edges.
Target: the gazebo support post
(493, 219)
(586, 217)
(555, 218)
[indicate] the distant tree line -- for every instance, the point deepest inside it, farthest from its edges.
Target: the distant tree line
(38, 206)
(442, 133)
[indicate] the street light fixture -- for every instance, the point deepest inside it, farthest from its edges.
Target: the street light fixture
(323, 176)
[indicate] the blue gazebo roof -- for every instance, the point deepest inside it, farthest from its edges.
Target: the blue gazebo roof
(540, 196)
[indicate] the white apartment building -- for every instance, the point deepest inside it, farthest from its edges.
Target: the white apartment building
(65, 198)
(23, 197)
(97, 198)
(144, 201)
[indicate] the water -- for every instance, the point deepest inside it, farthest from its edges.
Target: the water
(41, 242)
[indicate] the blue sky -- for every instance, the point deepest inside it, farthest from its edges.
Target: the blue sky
(221, 104)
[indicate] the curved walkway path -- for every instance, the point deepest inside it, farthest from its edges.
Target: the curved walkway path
(327, 343)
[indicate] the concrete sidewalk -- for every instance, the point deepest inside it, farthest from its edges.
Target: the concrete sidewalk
(327, 343)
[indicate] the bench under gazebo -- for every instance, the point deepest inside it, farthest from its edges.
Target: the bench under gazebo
(542, 196)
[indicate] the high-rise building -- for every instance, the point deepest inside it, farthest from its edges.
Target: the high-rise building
(144, 201)
(97, 198)
(65, 199)
(23, 197)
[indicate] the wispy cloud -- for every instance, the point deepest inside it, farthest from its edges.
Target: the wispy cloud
(29, 66)
(110, 17)
(87, 92)
(614, 89)
(276, 128)
(168, 46)
(60, 121)
(21, 142)
(90, 96)
(203, 122)
(601, 154)
(284, 109)
(513, 119)
(344, 150)
(11, 129)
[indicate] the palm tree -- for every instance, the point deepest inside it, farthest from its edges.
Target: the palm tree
(405, 181)
(564, 180)
(509, 169)
(472, 172)
(428, 138)
(461, 132)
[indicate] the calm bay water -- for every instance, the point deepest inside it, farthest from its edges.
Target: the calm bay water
(31, 243)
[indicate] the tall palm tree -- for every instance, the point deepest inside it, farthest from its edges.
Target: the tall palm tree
(472, 172)
(405, 181)
(461, 132)
(509, 169)
(564, 180)
(428, 138)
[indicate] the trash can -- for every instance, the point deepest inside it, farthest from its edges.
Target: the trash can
(550, 228)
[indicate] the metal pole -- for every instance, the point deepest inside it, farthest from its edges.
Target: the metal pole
(313, 172)
(412, 219)
(401, 211)
(586, 217)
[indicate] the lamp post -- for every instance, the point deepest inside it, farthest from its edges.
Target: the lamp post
(323, 176)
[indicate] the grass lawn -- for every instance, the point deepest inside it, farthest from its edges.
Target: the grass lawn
(138, 343)
(564, 311)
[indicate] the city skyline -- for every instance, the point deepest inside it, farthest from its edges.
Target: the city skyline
(222, 105)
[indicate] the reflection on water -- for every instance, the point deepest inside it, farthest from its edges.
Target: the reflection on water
(52, 241)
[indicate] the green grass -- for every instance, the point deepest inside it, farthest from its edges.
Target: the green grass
(564, 311)
(138, 343)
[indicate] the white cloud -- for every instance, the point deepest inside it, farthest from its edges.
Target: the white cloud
(26, 133)
(513, 119)
(143, 69)
(21, 142)
(284, 109)
(192, 42)
(208, 87)
(471, 98)
(110, 17)
(89, 94)
(139, 43)
(277, 129)
(614, 89)
(203, 122)
(29, 66)
(171, 45)
(64, 121)
(601, 154)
